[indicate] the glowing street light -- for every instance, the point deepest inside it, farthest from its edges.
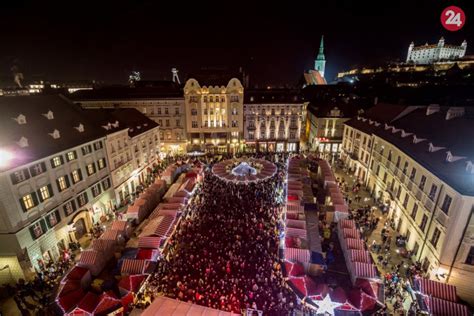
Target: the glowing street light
(5, 157)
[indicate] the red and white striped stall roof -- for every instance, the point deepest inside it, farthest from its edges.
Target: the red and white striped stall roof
(295, 192)
(110, 234)
(360, 256)
(442, 307)
(133, 266)
(296, 254)
(119, 225)
(103, 245)
(346, 223)
(364, 270)
(350, 233)
(294, 208)
(149, 242)
(437, 289)
(352, 243)
(90, 257)
(295, 223)
(160, 226)
(296, 232)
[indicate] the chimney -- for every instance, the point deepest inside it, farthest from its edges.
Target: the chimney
(432, 108)
(454, 112)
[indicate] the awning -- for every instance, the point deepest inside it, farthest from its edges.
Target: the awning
(436, 289)
(133, 266)
(352, 243)
(346, 223)
(300, 224)
(442, 307)
(296, 254)
(364, 270)
(295, 232)
(360, 256)
(149, 242)
(350, 233)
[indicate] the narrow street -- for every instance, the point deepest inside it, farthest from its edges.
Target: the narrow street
(388, 257)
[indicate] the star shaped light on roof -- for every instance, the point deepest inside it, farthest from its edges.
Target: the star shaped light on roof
(326, 306)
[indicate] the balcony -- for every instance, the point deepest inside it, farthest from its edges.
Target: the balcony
(442, 217)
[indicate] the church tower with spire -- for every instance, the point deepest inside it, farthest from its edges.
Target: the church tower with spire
(320, 62)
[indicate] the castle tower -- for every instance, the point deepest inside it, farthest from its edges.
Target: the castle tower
(410, 48)
(320, 62)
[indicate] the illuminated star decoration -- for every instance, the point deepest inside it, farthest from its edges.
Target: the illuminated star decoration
(326, 306)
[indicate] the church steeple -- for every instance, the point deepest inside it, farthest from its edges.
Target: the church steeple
(320, 62)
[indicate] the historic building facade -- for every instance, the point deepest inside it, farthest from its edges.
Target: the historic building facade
(132, 146)
(325, 125)
(163, 103)
(214, 115)
(54, 180)
(428, 54)
(273, 120)
(425, 179)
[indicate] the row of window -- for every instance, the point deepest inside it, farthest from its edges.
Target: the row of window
(158, 111)
(271, 135)
(44, 193)
(40, 227)
(167, 123)
(39, 168)
(233, 98)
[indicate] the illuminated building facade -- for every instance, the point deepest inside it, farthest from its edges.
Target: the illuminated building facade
(162, 102)
(274, 120)
(54, 181)
(427, 54)
(325, 125)
(215, 120)
(132, 146)
(424, 176)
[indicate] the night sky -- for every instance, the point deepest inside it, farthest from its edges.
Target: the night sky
(276, 42)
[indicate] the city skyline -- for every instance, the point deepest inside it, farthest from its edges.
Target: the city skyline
(275, 44)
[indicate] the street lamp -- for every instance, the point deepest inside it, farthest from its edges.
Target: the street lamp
(5, 157)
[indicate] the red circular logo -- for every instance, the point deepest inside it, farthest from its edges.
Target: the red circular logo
(453, 18)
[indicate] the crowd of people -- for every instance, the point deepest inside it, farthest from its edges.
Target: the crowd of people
(34, 297)
(224, 254)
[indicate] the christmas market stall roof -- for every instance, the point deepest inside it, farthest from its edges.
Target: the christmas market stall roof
(170, 307)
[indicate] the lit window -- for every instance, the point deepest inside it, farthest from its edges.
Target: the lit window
(56, 161)
(76, 175)
(44, 193)
(28, 202)
(62, 184)
(71, 155)
(90, 169)
(101, 163)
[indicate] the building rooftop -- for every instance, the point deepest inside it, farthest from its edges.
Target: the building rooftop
(333, 109)
(441, 139)
(275, 96)
(167, 89)
(112, 120)
(35, 127)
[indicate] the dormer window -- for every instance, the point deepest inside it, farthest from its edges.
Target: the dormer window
(80, 128)
(20, 119)
(23, 142)
(49, 115)
(55, 134)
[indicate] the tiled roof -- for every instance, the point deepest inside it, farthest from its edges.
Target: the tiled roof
(455, 135)
(72, 124)
(275, 96)
(132, 119)
(170, 90)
